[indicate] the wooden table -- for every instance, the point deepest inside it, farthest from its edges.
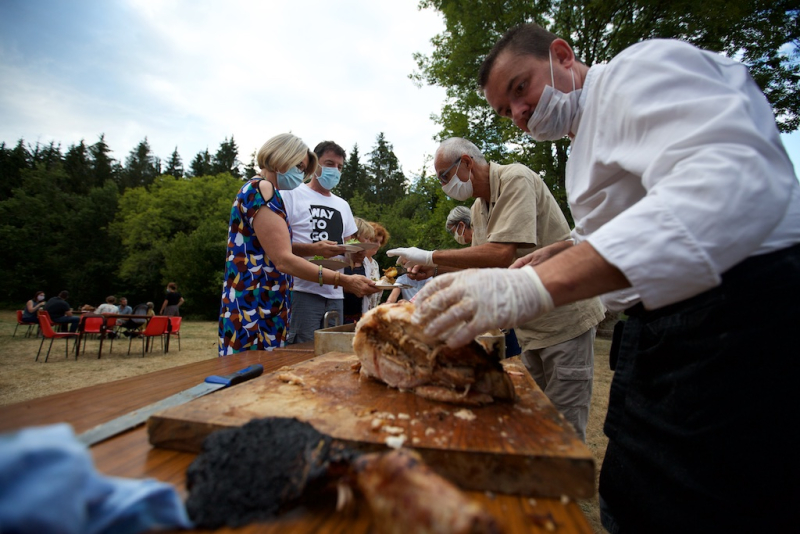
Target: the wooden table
(130, 455)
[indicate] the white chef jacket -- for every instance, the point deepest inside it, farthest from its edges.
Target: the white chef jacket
(677, 172)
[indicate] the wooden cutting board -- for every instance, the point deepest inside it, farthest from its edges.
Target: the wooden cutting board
(524, 448)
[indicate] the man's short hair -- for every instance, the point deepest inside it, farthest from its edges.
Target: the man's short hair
(63, 295)
(526, 39)
(329, 146)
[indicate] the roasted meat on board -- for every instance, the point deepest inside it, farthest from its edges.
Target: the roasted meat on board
(265, 467)
(405, 496)
(394, 350)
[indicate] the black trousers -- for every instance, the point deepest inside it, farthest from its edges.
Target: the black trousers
(703, 409)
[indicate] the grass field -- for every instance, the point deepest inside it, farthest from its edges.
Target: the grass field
(23, 379)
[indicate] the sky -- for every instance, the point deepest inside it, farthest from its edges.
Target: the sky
(189, 74)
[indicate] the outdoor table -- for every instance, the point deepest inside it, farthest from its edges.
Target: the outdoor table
(130, 455)
(104, 327)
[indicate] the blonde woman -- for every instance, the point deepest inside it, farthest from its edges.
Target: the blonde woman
(260, 266)
(372, 268)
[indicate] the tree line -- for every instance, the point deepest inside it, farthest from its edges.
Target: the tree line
(82, 221)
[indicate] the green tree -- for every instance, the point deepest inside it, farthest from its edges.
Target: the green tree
(12, 162)
(386, 181)
(78, 166)
(354, 176)
(162, 226)
(174, 165)
(227, 159)
(103, 165)
(250, 169)
(201, 164)
(764, 34)
(141, 167)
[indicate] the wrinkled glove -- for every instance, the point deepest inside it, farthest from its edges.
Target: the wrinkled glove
(409, 257)
(457, 307)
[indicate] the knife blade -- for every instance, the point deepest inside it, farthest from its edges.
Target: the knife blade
(135, 418)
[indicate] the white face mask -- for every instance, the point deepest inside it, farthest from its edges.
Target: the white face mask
(553, 116)
(457, 189)
(460, 238)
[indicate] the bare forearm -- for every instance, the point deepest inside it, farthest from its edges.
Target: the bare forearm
(486, 255)
(578, 273)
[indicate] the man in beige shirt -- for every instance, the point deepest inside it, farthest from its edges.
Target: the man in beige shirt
(513, 215)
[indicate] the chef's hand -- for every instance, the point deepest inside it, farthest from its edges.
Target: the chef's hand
(457, 307)
(359, 285)
(543, 254)
(409, 257)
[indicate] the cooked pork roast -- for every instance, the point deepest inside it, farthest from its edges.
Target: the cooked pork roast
(405, 495)
(394, 350)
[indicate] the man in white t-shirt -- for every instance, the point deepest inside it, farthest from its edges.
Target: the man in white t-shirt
(321, 222)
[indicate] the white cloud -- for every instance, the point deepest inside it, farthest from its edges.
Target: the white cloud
(192, 73)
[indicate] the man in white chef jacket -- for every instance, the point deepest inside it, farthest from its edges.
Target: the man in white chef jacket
(321, 222)
(687, 216)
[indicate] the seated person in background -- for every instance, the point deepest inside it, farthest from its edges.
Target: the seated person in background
(353, 304)
(124, 309)
(61, 312)
(109, 306)
(30, 314)
(406, 293)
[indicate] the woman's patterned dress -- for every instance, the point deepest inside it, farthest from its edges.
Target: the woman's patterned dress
(255, 296)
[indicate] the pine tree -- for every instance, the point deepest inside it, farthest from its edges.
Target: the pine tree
(201, 164)
(103, 165)
(78, 166)
(227, 159)
(174, 165)
(354, 177)
(12, 162)
(250, 168)
(141, 166)
(387, 181)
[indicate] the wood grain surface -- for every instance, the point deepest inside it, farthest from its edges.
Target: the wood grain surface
(524, 448)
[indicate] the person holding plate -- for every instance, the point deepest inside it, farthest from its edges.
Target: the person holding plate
(321, 223)
(256, 307)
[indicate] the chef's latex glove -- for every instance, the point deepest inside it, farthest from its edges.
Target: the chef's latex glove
(457, 307)
(409, 257)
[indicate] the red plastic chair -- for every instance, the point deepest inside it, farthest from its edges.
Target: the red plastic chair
(46, 327)
(175, 326)
(111, 331)
(90, 324)
(157, 327)
(21, 321)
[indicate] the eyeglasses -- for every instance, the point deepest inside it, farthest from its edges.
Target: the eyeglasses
(443, 175)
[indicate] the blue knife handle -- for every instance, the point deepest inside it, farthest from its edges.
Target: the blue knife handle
(239, 376)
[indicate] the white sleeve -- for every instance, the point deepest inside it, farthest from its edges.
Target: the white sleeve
(701, 137)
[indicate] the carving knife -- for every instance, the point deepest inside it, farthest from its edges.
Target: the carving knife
(135, 418)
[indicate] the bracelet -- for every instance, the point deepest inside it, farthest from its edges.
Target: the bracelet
(336, 280)
(435, 271)
(320, 275)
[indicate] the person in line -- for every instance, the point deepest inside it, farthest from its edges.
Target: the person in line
(172, 301)
(109, 306)
(61, 312)
(687, 216)
(382, 237)
(459, 225)
(321, 222)
(30, 314)
(256, 302)
(353, 305)
(515, 214)
(405, 293)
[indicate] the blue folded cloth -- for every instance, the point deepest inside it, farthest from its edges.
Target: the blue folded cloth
(48, 484)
